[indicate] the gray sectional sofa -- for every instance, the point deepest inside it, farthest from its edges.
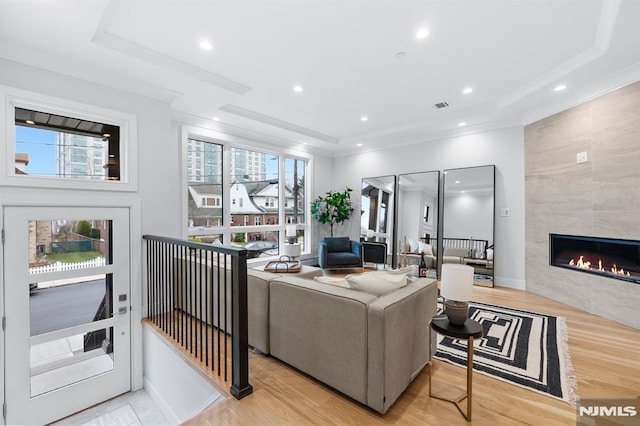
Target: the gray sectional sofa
(369, 348)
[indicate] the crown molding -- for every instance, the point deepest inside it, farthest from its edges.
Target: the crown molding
(127, 47)
(606, 26)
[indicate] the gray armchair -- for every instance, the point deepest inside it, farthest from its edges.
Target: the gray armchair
(374, 253)
(339, 252)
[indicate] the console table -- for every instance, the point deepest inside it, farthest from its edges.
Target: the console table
(468, 331)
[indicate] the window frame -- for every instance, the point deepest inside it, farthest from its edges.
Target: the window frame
(17, 98)
(228, 141)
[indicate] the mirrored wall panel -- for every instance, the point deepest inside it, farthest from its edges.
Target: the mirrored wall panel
(377, 219)
(468, 220)
(417, 218)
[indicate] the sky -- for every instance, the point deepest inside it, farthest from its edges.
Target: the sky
(41, 147)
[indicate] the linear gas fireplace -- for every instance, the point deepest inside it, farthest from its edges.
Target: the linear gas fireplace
(609, 257)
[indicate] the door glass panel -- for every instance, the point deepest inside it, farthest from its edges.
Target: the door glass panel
(63, 245)
(67, 360)
(59, 304)
(67, 295)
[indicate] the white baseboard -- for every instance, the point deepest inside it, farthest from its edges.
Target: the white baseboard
(510, 283)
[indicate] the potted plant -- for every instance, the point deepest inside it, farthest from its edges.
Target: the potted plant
(333, 208)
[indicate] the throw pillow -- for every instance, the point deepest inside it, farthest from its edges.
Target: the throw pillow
(413, 246)
(489, 254)
(406, 270)
(336, 281)
(377, 283)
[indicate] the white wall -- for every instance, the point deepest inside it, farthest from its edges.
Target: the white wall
(466, 216)
(409, 215)
(504, 148)
(156, 203)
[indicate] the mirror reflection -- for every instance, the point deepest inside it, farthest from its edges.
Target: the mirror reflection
(468, 220)
(376, 219)
(417, 226)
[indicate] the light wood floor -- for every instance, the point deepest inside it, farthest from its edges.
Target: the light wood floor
(605, 355)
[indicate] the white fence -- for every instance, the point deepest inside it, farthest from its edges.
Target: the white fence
(59, 266)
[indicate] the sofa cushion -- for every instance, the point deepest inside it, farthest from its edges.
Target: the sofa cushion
(342, 259)
(338, 244)
(456, 251)
(377, 283)
(336, 281)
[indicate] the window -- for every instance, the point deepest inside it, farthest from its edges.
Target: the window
(259, 195)
(204, 187)
(294, 180)
(254, 175)
(57, 143)
(55, 146)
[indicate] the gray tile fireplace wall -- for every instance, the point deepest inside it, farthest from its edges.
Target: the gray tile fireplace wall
(599, 197)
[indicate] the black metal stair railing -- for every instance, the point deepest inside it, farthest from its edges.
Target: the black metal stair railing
(197, 294)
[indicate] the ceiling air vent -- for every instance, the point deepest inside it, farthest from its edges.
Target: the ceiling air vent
(441, 105)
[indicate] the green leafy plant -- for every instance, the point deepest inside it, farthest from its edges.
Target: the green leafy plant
(333, 208)
(83, 227)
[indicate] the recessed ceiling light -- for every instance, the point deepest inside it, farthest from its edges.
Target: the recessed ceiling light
(422, 33)
(206, 45)
(297, 89)
(359, 144)
(467, 90)
(216, 118)
(364, 118)
(462, 124)
(30, 122)
(462, 192)
(560, 88)
(457, 181)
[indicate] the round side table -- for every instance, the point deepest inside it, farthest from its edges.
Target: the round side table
(468, 331)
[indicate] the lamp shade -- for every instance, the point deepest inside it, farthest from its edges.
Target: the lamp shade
(290, 231)
(292, 250)
(456, 282)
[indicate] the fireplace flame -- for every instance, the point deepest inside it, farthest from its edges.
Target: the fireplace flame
(586, 264)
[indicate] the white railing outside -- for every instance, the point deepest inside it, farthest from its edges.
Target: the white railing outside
(59, 266)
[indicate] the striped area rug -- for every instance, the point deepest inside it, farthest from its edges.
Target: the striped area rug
(519, 347)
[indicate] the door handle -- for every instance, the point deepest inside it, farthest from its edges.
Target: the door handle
(121, 311)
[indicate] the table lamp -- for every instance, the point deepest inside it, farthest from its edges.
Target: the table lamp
(456, 286)
(290, 232)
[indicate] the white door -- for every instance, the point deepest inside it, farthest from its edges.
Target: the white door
(67, 297)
